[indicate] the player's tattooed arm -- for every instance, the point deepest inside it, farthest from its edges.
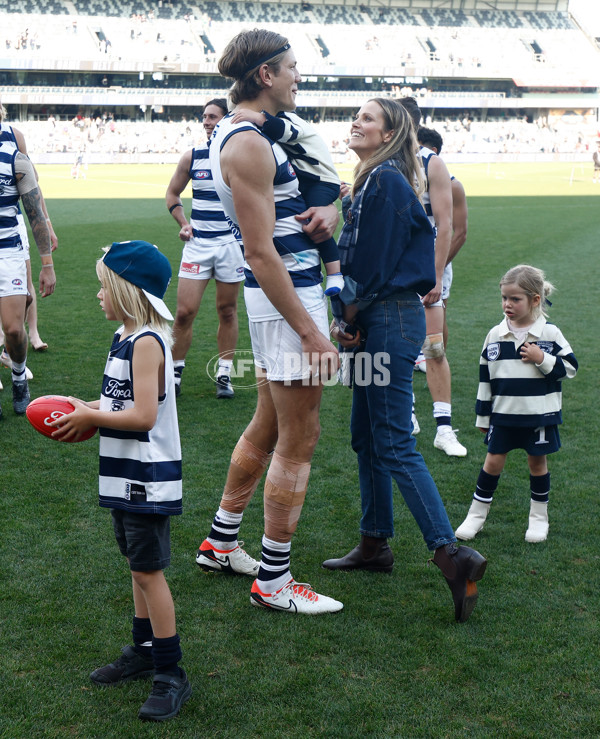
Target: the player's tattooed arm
(31, 198)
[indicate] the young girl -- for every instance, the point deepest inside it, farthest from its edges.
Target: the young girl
(522, 365)
(140, 463)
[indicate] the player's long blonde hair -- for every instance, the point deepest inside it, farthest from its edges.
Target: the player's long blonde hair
(128, 301)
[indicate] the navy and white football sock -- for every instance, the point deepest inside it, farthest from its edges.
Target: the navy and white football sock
(486, 487)
(274, 571)
(224, 530)
(540, 487)
(442, 412)
(18, 371)
(142, 636)
(166, 653)
(178, 367)
(224, 368)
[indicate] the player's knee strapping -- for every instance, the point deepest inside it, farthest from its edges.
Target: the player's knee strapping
(433, 347)
(285, 490)
(251, 463)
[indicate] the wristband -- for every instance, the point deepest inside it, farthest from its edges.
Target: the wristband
(177, 205)
(48, 265)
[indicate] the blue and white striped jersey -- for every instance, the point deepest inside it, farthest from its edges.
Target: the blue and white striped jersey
(10, 238)
(208, 220)
(516, 393)
(299, 255)
(426, 155)
(140, 472)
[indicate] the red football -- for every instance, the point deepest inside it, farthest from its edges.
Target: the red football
(43, 411)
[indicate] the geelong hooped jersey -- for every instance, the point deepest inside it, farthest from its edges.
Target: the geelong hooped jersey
(9, 194)
(296, 250)
(516, 393)
(140, 472)
(208, 220)
(426, 155)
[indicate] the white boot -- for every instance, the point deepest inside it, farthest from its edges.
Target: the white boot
(538, 522)
(474, 521)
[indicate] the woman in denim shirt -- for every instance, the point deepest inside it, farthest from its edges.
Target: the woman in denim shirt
(387, 255)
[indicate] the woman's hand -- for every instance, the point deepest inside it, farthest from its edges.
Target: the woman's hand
(347, 341)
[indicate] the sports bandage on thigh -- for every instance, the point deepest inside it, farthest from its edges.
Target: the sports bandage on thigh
(285, 490)
(433, 347)
(248, 464)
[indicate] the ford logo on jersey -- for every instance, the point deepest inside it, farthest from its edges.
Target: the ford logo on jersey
(202, 174)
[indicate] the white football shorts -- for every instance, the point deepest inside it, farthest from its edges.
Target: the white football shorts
(13, 274)
(223, 262)
(277, 347)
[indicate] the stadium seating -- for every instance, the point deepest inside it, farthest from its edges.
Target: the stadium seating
(160, 56)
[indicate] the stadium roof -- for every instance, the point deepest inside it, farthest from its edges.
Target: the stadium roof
(466, 6)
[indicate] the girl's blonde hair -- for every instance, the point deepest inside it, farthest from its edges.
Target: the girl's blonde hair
(2, 112)
(128, 301)
(532, 282)
(402, 148)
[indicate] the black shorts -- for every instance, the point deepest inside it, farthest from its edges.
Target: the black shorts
(536, 442)
(144, 538)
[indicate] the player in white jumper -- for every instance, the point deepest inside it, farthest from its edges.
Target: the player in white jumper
(210, 251)
(288, 325)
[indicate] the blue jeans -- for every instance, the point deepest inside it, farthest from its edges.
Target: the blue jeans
(381, 424)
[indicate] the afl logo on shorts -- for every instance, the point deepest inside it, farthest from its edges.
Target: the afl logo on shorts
(493, 351)
(291, 170)
(17, 282)
(202, 174)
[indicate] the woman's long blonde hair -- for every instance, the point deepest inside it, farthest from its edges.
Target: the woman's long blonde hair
(402, 148)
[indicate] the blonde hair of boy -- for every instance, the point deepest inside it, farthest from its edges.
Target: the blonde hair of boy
(128, 301)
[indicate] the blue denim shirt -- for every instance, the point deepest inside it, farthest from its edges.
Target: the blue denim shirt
(393, 247)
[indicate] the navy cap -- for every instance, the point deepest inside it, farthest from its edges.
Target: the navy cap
(142, 264)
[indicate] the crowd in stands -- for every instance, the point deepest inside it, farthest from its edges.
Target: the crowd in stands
(106, 136)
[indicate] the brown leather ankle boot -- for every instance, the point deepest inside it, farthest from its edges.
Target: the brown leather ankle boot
(372, 554)
(462, 567)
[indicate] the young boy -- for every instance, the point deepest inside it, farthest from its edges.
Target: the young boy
(140, 463)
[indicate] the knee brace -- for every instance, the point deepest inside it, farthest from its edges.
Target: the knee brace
(433, 347)
(285, 490)
(248, 464)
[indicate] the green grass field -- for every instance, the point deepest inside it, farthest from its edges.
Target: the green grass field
(393, 663)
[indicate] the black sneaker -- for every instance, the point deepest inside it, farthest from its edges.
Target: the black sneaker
(131, 665)
(168, 694)
(21, 397)
(224, 389)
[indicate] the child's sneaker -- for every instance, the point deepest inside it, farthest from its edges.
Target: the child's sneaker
(294, 597)
(235, 561)
(168, 694)
(334, 284)
(131, 665)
